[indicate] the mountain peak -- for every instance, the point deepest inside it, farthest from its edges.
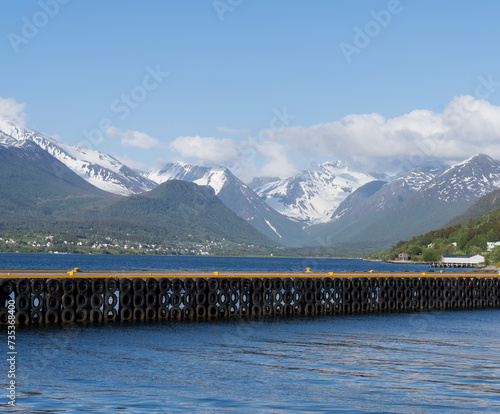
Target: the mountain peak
(313, 195)
(183, 210)
(214, 177)
(467, 180)
(99, 169)
(236, 195)
(335, 164)
(475, 159)
(261, 181)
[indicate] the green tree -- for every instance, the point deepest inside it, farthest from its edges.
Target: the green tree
(431, 255)
(414, 250)
(494, 255)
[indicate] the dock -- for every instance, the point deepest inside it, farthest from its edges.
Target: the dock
(76, 296)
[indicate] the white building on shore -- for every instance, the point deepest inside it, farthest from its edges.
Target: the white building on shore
(470, 259)
(491, 245)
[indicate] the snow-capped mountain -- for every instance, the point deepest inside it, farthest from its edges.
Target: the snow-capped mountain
(236, 195)
(466, 181)
(28, 172)
(384, 196)
(213, 177)
(8, 141)
(311, 196)
(98, 168)
(414, 203)
(258, 182)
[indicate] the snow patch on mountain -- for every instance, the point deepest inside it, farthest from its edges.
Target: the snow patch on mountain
(7, 140)
(415, 180)
(213, 177)
(312, 196)
(273, 229)
(467, 181)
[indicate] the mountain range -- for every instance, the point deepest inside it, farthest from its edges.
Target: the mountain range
(414, 203)
(327, 205)
(39, 193)
(237, 196)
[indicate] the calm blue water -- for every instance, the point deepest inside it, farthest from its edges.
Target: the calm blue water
(428, 362)
(14, 261)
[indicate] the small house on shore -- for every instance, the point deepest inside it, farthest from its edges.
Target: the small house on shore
(462, 259)
(491, 245)
(402, 257)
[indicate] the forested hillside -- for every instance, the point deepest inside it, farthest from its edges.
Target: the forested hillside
(469, 238)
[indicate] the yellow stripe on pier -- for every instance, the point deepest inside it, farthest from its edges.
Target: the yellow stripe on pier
(76, 273)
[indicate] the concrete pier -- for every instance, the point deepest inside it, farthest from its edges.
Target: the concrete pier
(81, 297)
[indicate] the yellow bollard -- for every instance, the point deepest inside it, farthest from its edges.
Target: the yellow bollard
(330, 273)
(216, 273)
(423, 273)
(308, 270)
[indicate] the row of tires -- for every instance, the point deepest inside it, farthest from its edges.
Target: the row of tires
(177, 285)
(200, 311)
(77, 300)
(58, 300)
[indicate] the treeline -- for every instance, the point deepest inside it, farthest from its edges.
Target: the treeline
(470, 238)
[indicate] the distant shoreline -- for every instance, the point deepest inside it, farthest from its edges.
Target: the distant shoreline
(274, 256)
(485, 268)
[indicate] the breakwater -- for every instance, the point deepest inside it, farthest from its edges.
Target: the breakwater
(76, 296)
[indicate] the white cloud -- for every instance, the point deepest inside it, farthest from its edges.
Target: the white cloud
(129, 162)
(133, 138)
(246, 158)
(277, 163)
(113, 132)
(11, 109)
(466, 127)
(206, 149)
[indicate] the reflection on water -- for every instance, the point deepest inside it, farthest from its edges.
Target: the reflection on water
(422, 362)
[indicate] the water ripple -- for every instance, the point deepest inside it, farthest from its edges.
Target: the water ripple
(432, 362)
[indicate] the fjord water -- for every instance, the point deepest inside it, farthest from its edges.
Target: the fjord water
(13, 261)
(402, 362)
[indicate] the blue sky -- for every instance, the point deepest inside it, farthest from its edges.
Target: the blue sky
(237, 68)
